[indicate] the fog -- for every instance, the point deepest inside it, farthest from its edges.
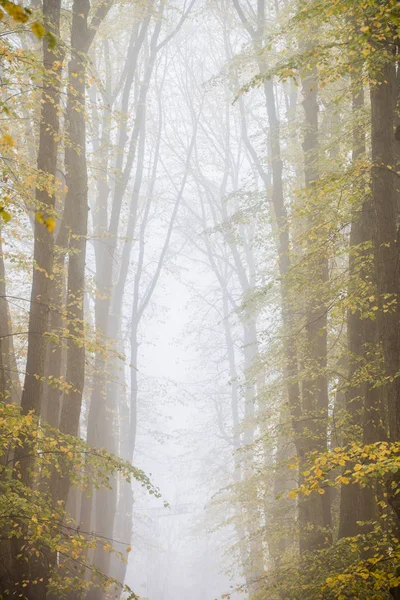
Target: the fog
(199, 299)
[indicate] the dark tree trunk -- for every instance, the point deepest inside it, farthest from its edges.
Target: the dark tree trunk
(387, 243)
(41, 284)
(44, 239)
(363, 402)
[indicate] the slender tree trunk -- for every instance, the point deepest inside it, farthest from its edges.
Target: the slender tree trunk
(55, 357)
(249, 573)
(10, 384)
(253, 518)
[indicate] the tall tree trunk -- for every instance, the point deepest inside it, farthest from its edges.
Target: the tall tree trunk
(253, 518)
(77, 216)
(363, 402)
(387, 244)
(252, 556)
(314, 510)
(43, 267)
(44, 239)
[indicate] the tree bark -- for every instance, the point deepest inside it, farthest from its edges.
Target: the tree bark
(43, 270)
(363, 402)
(383, 192)
(44, 239)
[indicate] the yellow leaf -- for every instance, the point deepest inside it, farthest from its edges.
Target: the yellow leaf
(38, 29)
(7, 140)
(50, 224)
(4, 214)
(17, 12)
